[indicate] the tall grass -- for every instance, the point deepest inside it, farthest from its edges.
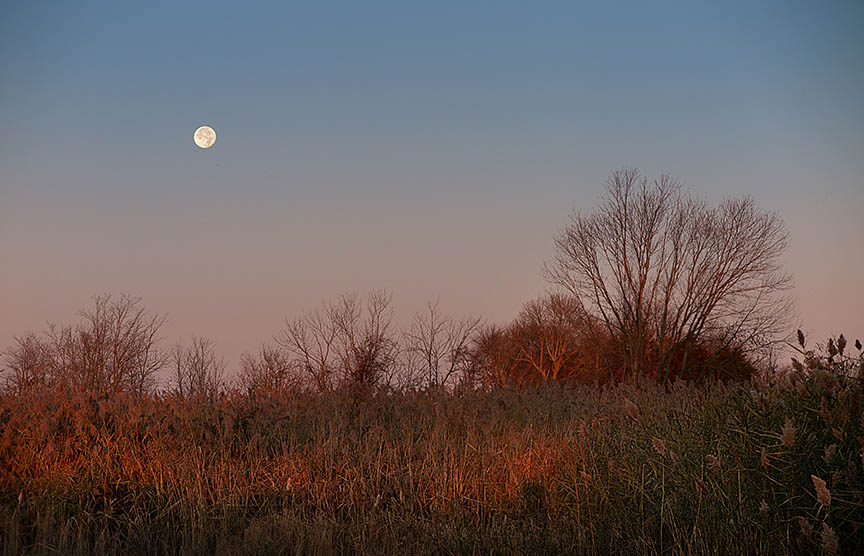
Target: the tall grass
(627, 469)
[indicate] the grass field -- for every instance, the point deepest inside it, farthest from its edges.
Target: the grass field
(707, 469)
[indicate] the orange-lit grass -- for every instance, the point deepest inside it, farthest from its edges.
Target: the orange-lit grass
(545, 471)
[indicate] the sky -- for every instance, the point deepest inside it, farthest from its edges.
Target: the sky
(433, 149)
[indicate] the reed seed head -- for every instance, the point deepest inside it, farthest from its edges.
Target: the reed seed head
(822, 492)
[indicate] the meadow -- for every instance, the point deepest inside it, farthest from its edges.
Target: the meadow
(767, 466)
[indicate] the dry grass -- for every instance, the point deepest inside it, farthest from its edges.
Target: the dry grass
(632, 469)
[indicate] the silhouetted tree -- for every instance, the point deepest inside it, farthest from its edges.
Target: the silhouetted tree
(310, 340)
(30, 365)
(440, 344)
(343, 341)
(269, 372)
(665, 272)
(114, 349)
(365, 344)
(197, 372)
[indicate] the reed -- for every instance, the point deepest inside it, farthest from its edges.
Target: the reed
(633, 468)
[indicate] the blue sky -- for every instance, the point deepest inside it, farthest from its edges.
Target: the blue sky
(518, 110)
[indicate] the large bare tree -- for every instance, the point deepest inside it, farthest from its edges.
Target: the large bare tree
(664, 271)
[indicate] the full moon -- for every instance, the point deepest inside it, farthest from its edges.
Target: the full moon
(205, 136)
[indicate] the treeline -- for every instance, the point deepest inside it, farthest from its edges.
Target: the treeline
(349, 342)
(653, 283)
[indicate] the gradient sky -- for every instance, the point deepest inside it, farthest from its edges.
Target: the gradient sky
(433, 150)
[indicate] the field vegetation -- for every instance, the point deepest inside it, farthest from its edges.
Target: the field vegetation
(761, 467)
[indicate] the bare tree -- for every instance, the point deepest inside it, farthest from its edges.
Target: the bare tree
(113, 349)
(29, 365)
(310, 339)
(664, 271)
(551, 340)
(494, 360)
(270, 371)
(365, 345)
(197, 372)
(441, 344)
(343, 341)
(546, 334)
